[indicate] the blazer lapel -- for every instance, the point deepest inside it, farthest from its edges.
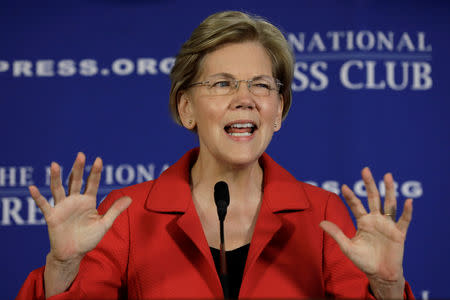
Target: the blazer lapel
(267, 225)
(190, 224)
(171, 193)
(281, 193)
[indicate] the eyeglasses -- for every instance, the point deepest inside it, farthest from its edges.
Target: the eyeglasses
(260, 86)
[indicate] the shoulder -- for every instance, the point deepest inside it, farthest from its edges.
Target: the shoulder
(153, 195)
(323, 201)
(316, 193)
(138, 194)
(139, 190)
(286, 191)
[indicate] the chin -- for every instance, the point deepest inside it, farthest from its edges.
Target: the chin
(240, 159)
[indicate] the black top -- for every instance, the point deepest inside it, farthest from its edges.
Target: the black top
(235, 266)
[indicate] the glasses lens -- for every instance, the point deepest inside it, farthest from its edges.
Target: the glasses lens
(262, 86)
(258, 86)
(221, 87)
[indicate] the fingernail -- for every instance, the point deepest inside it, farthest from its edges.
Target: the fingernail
(81, 155)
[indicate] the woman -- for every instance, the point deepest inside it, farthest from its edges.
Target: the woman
(230, 84)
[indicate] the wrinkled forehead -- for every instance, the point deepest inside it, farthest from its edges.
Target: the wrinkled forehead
(228, 76)
(245, 60)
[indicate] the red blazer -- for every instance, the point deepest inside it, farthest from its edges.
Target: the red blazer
(157, 248)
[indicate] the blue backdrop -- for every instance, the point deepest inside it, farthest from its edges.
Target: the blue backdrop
(370, 89)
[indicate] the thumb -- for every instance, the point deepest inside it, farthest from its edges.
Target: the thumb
(336, 233)
(115, 210)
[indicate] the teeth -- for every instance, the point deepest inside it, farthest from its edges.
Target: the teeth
(240, 134)
(240, 125)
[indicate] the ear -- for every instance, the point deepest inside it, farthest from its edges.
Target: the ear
(186, 110)
(279, 117)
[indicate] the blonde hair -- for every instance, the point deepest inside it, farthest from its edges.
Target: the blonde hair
(231, 27)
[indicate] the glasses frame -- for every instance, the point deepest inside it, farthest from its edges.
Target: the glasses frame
(236, 84)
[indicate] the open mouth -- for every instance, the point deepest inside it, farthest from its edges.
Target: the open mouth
(240, 129)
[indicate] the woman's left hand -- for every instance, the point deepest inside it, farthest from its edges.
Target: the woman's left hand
(378, 245)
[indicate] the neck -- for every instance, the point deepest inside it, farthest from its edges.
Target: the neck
(244, 181)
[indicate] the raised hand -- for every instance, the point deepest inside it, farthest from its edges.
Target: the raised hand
(378, 245)
(74, 225)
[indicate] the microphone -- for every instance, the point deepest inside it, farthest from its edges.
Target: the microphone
(222, 200)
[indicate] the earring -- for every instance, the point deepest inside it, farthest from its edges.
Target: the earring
(275, 125)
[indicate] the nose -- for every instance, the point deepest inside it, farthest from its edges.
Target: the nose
(243, 98)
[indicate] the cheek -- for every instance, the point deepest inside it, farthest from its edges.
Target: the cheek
(271, 111)
(208, 113)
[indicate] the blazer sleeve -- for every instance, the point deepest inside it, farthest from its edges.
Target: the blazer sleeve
(342, 278)
(103, 271)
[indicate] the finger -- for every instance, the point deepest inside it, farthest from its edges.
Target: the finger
(372, 192)
(41, 202)
(390, 201)
(353, 202)
(56, 186)
(76, 176)
(336, 233)
(93, 180)
(406, 216)
(115, 210)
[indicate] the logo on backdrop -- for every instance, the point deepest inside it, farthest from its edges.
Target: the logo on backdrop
(366, 60)
(18, 208)
(88, 67)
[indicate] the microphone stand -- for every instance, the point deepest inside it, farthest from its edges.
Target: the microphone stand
(223, 264)
(222, 200)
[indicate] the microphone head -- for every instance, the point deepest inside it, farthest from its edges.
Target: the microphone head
(222, 199)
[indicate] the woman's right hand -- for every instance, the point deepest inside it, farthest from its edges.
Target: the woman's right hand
(74, 225)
